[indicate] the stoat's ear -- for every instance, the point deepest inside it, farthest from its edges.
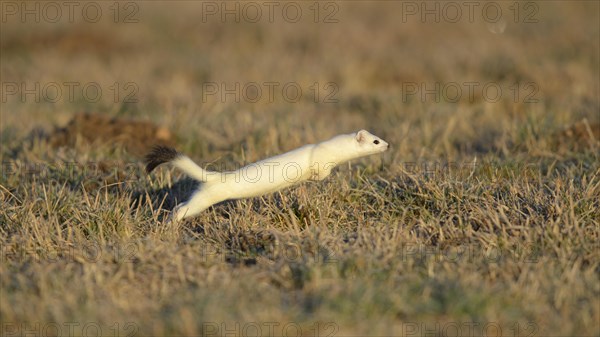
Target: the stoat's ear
(361, 136)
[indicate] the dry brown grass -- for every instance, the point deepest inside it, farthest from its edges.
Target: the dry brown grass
(483, 214)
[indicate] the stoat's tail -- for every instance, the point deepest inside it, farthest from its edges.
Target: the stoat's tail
(163, 154)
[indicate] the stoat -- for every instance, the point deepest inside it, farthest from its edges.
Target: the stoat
(309, 162)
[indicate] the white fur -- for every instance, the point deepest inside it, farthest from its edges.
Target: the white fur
(309, 162)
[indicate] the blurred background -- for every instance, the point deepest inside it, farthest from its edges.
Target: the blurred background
(436, 79)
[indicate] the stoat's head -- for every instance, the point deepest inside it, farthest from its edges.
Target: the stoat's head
(367, 143)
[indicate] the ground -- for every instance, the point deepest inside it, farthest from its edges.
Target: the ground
(481, 219)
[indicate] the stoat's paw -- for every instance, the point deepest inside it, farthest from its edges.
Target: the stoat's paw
(169, 218)
(179, 212)
(172, 216)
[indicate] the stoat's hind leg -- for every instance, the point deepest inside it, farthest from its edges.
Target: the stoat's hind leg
(199, 201)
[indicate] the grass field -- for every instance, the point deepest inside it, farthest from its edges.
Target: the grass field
(481, 219)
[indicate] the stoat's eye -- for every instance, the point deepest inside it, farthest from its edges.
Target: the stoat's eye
(376, 142)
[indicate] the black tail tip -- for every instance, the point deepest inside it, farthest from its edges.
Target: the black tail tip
(158, 155)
